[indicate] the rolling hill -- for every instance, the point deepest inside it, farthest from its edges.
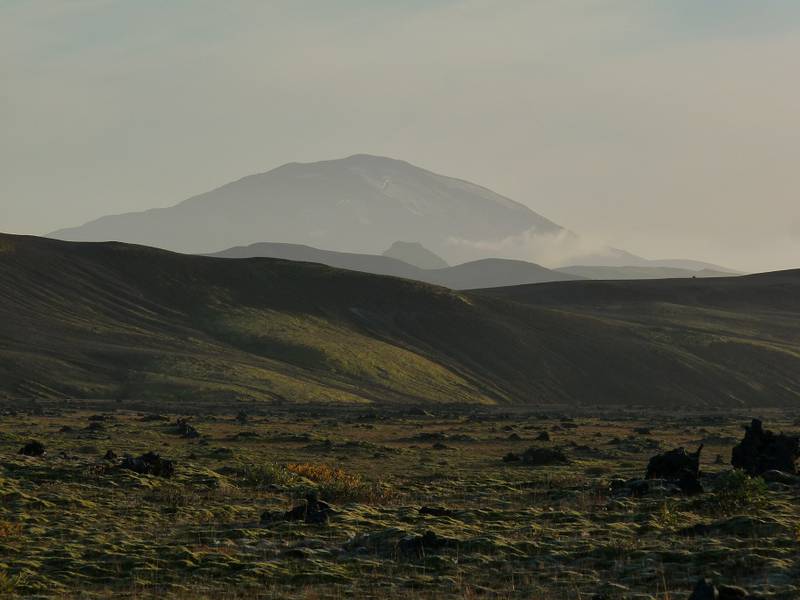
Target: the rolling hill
(120, 321)
(476, 274)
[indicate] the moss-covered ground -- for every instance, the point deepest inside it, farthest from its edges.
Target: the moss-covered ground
(75, 525)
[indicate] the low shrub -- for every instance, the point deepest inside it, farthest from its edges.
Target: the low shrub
(736, 491)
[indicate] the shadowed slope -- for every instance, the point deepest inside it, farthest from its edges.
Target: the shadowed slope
(113, 320)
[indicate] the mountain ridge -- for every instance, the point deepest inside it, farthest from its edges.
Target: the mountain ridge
(470, 275)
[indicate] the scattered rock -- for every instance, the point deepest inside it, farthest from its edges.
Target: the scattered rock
(739, 526)
(154, 417)
(312, 510)
(544, 456)
(436, 511)
(419, 545)
(690, 485)
(706, 590)
(637, 488)
(642, 430)
(675, 464)
(431, 436)
(185, 429)
(149, 464)
(775, 476)
(32, 448)
(762, 450)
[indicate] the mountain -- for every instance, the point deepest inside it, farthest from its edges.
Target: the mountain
(119, 321)
(639, 272)
(415, 254)
(357, 204)
(477, 274)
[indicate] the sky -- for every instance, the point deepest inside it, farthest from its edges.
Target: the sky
(668, 128)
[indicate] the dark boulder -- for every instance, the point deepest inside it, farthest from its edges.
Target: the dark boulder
(511, 457)
(762, 450)
(153, 417)
(690, 485)
(110, 455)
(543, 437)
(420, 545)
(436, 511)
(543, 457)
(679, 467)
(185, 429)
(706, 590)
(311, 510)
(149, 464)
(32, 448)
(674, 464)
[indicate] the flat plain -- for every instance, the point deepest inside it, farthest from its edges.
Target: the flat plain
(419, 504)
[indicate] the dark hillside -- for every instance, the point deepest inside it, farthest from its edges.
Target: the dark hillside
(95, 320)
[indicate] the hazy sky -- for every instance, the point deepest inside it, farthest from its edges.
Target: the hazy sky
(669, 128)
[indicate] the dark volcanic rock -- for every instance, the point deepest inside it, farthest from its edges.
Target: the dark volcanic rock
(312, 510)
(674, 464)
(690, 485)
(149, 464)
(110, 455)
(762, 450)
(680, 467)
(543, 457)
(543, 437)
(436, 511)
(419, 545)
(153, 417)
(32, 448)
(706, 590)
(186, 430)
(511, 457)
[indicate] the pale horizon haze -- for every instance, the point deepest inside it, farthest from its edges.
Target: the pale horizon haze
(667, 128)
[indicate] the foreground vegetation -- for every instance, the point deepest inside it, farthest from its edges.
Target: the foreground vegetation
(421, 506)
